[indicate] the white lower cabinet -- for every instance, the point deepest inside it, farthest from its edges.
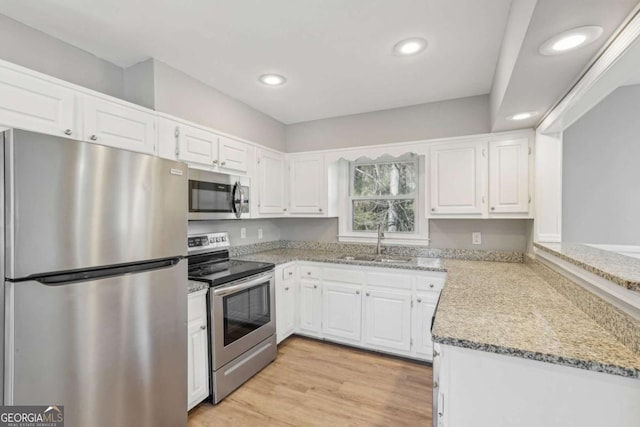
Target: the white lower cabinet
(310, 319)
(197, 349)
(388, 319)
(286, 301)
(341, 310)
(425, 306)
(379, 309)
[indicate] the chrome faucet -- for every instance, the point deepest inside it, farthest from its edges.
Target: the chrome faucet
(380, 237)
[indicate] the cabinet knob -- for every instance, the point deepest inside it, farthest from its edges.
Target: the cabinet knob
(215, 162)
(93, 137)
(285, 209)
(68, 132)
(357, 292)
(203, 327)
(320, 209)
(419, 299)
(493, 208)
(431, 285)
(315, 286)
(435, 354)
(308, 273)
(223, 163)
(367, 294)
(433, 209)
(291, 273)
(286, 288)
(435, 384)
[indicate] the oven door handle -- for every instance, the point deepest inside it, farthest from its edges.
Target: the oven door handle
(226, 290)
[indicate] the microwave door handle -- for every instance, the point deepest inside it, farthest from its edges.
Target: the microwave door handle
(234, 200)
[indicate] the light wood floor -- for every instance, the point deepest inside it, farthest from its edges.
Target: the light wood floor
(313, 383)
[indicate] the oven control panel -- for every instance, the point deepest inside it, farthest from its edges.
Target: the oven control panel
(198, 242)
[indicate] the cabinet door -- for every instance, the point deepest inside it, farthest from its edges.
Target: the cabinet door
(285, 303)
(197, 351)
(118, 126)
(509, 176)
(387, 322)
(272, 183)
(168, 132)
(458, 176)
(310, 307)
(232, 154)
(308, 187)
(28, 102)
(342, 311)
(423, 313)
(196, 145)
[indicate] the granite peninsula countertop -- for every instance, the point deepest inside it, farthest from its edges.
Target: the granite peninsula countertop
(503, 308)
(508, 309)
(617, 268)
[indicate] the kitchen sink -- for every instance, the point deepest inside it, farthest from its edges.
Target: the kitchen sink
(374, 258)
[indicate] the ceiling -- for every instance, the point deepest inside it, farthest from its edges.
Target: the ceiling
(337, 55)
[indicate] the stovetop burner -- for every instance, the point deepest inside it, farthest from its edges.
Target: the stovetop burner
(209, 261)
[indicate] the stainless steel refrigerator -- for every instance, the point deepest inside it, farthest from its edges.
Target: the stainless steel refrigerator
(95, 284)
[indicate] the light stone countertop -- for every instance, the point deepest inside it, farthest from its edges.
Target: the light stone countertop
(282, 256)
(617, 268)
(503, 308)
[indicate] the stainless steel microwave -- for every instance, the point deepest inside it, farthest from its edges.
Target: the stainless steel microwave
(217, 196)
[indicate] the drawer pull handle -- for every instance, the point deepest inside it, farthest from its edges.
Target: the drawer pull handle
(68, 132)
(431, 285)
(419, 300)
(203, 327)
(94, 137)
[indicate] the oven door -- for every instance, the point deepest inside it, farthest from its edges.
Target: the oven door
(242, 316)
(217, 196)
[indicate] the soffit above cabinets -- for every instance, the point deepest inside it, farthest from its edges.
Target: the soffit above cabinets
(338, 56)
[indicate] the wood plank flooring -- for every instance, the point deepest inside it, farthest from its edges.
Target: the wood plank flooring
(314, 383)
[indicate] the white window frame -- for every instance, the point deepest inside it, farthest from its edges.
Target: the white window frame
(346, 234)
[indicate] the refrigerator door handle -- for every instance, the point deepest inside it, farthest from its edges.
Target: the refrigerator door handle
(101, 273)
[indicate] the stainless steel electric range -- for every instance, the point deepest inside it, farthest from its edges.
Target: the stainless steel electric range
(241, 311)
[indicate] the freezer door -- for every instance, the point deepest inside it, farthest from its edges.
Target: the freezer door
(75, 205)
(113, 351)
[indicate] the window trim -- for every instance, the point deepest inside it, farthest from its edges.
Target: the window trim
(421, 234)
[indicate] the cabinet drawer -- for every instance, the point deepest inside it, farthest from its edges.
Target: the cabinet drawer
(389, 280)
(288, 272)
(429, 283)
(341, 275)
(197, 306)
(308, 272)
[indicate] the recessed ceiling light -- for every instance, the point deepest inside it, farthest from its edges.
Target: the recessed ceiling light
(410, 46)
(272, 79)
(523, 116)
(570, 40)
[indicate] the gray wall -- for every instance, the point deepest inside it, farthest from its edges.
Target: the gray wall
(497, 234)
(601, 172)
(178, 94)
(38, 51)
(140, 84)
(457, 117)
(270, 229)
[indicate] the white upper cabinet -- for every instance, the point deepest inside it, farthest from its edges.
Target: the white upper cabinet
(509, 176)
(119, 125)
(458, 176)
(201, 147)
(196, 145)
(232, 154)
(271, 182)
(32, 103)
(307, 184)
